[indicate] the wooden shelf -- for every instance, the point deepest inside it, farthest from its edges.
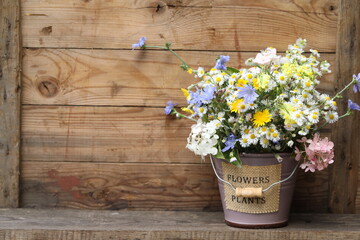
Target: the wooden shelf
(61, 224)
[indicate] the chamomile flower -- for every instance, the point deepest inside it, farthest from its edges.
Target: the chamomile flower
(331, 117)
(315, 52)
(244, 141)
(238, 106)
(299, 117)
(264, 142)
(314, 117)
(246, 131)
(253, 137)
(274, 136)
(324, 67)
(200, 72)
(281, 78)
(219, 79)
(303, 132)
(262, 130)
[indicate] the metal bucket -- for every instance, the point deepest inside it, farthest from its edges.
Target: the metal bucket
(278, 218)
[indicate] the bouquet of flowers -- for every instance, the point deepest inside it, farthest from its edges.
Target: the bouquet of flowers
(271, 106)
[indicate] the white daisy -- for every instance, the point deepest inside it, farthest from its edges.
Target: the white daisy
(331, 117)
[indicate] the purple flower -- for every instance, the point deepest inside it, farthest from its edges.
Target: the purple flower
(195, 98)
(202, 96)
(353, 106)
(356, 87)
(230, 142)
(220, 63)
(140, 44)
(168, 109)
(248, 93)
(208, 93)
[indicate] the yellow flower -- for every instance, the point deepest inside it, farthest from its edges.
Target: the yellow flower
(241, 82)
(261, 117)
(263, 80)
(190, 70)
(187, 110)
(238, 106)
(285, 110)
(186, 93)
(256, 83)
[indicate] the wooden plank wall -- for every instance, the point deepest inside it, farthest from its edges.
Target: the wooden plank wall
(10, 105)
(93, 129)
(345, 172)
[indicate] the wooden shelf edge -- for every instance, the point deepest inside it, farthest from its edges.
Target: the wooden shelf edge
(69, 224)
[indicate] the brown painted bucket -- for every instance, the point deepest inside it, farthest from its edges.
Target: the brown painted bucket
(258, 170)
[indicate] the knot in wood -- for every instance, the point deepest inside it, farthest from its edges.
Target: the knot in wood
(46, 30)
(160, 7)
(48, 86)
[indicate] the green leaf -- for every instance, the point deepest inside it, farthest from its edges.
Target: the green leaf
(237, 163)
(184, 67)
(220, 154)
(230, 70)
(167, 45)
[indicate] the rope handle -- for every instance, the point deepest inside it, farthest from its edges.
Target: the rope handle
(251, 191)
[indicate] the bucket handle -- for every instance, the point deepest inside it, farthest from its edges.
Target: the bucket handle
(251, 192)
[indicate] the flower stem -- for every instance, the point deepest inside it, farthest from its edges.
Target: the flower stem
(180, 115)
(348, 113)
(167, 47)
(346, 87)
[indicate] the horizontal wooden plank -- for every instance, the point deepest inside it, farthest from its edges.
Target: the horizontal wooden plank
(159, 225)
(96, 24)
(309, 6)
(119, 186)
(141, 187)
(118, 77)
(103, 134)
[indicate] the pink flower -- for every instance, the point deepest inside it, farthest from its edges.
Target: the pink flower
(298, 154)
(267, 57)
(319, 153)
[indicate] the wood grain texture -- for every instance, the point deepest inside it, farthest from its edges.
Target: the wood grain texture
(10, 80)
(310, 6)
(62, 224)
(344, 178)
(119, 77)
(311, 192)
(357, 200)
(71, 137)
(104, 134)
(99, 24)
(119, 186)
(191, 187)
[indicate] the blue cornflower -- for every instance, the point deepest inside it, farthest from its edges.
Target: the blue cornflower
(356, 87)
(195, 98)
(220, 63)
(202, 96)
(208, 93)
(169, 107)
(230, 142)
(140, 44)
(353, 106)
(248, 93)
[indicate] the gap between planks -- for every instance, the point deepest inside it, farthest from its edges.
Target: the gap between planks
(160, 50)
